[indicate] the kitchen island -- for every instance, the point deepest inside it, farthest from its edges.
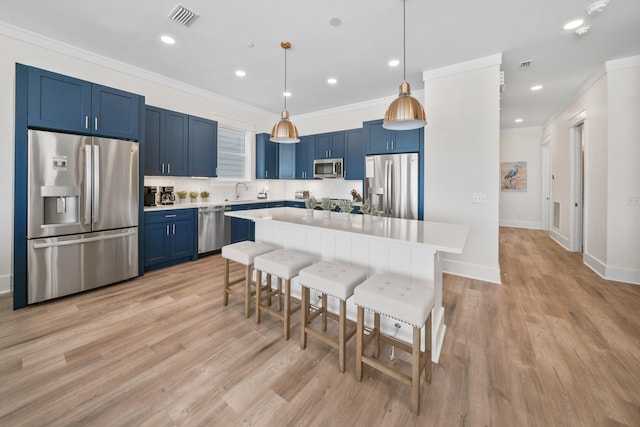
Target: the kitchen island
(379, 244)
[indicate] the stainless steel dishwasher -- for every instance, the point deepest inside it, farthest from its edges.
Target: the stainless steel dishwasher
(212, 235)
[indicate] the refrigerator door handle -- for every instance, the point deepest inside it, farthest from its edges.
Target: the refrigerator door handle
(42, 245)
(87, 184)
(390, 188)
(96, 183)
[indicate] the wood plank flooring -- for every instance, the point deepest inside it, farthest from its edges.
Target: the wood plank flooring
(554, 345)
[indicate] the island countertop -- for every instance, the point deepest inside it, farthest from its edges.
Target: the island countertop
(439, 236)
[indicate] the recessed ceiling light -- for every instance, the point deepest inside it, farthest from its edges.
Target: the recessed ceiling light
(573, 24)
(286, 93)
(332, 81)
(168, 39)
(518, 120)
(240, 73)
(581, 31)
(536, 87)
(335, 22)
(597, 7)
(394, 63)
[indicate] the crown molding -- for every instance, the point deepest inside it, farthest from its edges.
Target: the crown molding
(57, 46)
(462, 67)
(621, 64)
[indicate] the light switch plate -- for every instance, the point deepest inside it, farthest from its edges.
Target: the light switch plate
(633, 200)
(479, 198)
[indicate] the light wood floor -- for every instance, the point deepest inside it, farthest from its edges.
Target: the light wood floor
(555, 345)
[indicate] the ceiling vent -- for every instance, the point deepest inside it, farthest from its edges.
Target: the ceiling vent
(182, 15)
(525, 65)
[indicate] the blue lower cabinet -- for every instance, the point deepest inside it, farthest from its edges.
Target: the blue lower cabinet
(293, 204)
(169, 238)
(242, 229)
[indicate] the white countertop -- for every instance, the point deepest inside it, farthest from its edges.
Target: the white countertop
(438, 235)
(190, 205)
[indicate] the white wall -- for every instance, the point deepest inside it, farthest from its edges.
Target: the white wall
(462, 141)
(522, 209)
(623, 219)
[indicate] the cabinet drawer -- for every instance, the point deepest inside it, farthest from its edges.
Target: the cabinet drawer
(169, 215)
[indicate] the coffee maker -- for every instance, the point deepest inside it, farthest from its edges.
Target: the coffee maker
(166, 195)
(150, 196)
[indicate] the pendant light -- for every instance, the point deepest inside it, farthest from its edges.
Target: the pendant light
(405, 112)
(285, 131)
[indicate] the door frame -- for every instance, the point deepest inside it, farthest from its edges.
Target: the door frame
(545, 151)
(578, 178)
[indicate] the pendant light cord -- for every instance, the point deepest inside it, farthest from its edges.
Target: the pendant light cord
(285, 79)
(404, 40)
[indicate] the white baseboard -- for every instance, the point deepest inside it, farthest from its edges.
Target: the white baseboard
(559, 239)
(532, 225)
(625, 275)
(595, 264)
(478, 272)
(5, 284)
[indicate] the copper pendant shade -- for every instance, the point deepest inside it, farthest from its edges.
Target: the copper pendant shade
(405, 112)
(284, 131)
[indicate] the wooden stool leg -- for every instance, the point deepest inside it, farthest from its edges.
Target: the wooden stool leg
(258, 294)
(247, 290)
(359, 339)
(279, 294)
(427, 347)
(342, 333)
(226, 281)
(303, 317)
(415, 371)
(287, 306)
(324, 312)
(268, 288)
(376, 340)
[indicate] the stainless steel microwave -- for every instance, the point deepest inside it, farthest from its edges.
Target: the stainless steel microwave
(328, 168)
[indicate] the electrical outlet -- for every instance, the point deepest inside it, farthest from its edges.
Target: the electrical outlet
(479, 198)
(633, 200)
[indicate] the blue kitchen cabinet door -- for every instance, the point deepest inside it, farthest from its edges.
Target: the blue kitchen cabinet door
(153, 156)
(294, 204)
(379, 140)
(305, 154)
(182, 239)
(240, 230)
(287, 161)
(354, 159)
(174, 144)
(330, 145)
(58, 102)
(115, 113)
(267, 153)
(203, 147)
(157, 244)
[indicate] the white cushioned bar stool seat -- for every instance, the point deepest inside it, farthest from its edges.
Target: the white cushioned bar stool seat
(284, 264)
(336, 280)
(408, 301)
(242, 253)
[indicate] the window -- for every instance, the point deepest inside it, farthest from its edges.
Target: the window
(231, 153)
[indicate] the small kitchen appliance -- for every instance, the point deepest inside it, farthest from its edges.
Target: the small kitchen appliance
(166, 195)
(150, 196)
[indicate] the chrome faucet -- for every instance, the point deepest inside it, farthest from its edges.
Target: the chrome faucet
(237, 192)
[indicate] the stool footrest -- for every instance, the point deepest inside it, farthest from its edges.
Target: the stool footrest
(375, 363)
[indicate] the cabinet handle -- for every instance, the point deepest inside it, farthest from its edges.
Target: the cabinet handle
(96, 123)
(170, 216)
(163, 168)
(266, 174)
(86, 122)
(167, 229)
(169, 168)
(387, 145)
(393, 144)
(174, 229)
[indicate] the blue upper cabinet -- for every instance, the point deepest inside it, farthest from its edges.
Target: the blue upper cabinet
(267, 154)
(166, 142)
(116, 113)
(65, 103)
(330, 145)
(203, 147)
(305, 154)
(379, 140)
(354, 159)
(287, 161)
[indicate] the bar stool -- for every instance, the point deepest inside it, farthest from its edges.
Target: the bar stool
(407, 301)
(338, 281)
(285, 265)
(242, 253)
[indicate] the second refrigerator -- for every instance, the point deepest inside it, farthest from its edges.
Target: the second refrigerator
(391, 184)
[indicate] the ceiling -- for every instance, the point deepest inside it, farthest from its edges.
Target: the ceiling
(246, 34)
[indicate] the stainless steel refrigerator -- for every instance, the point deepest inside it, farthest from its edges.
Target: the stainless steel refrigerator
(391, 183)
(82, 226)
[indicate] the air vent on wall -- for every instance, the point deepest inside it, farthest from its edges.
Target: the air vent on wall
(182, 15)
(525, 65)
